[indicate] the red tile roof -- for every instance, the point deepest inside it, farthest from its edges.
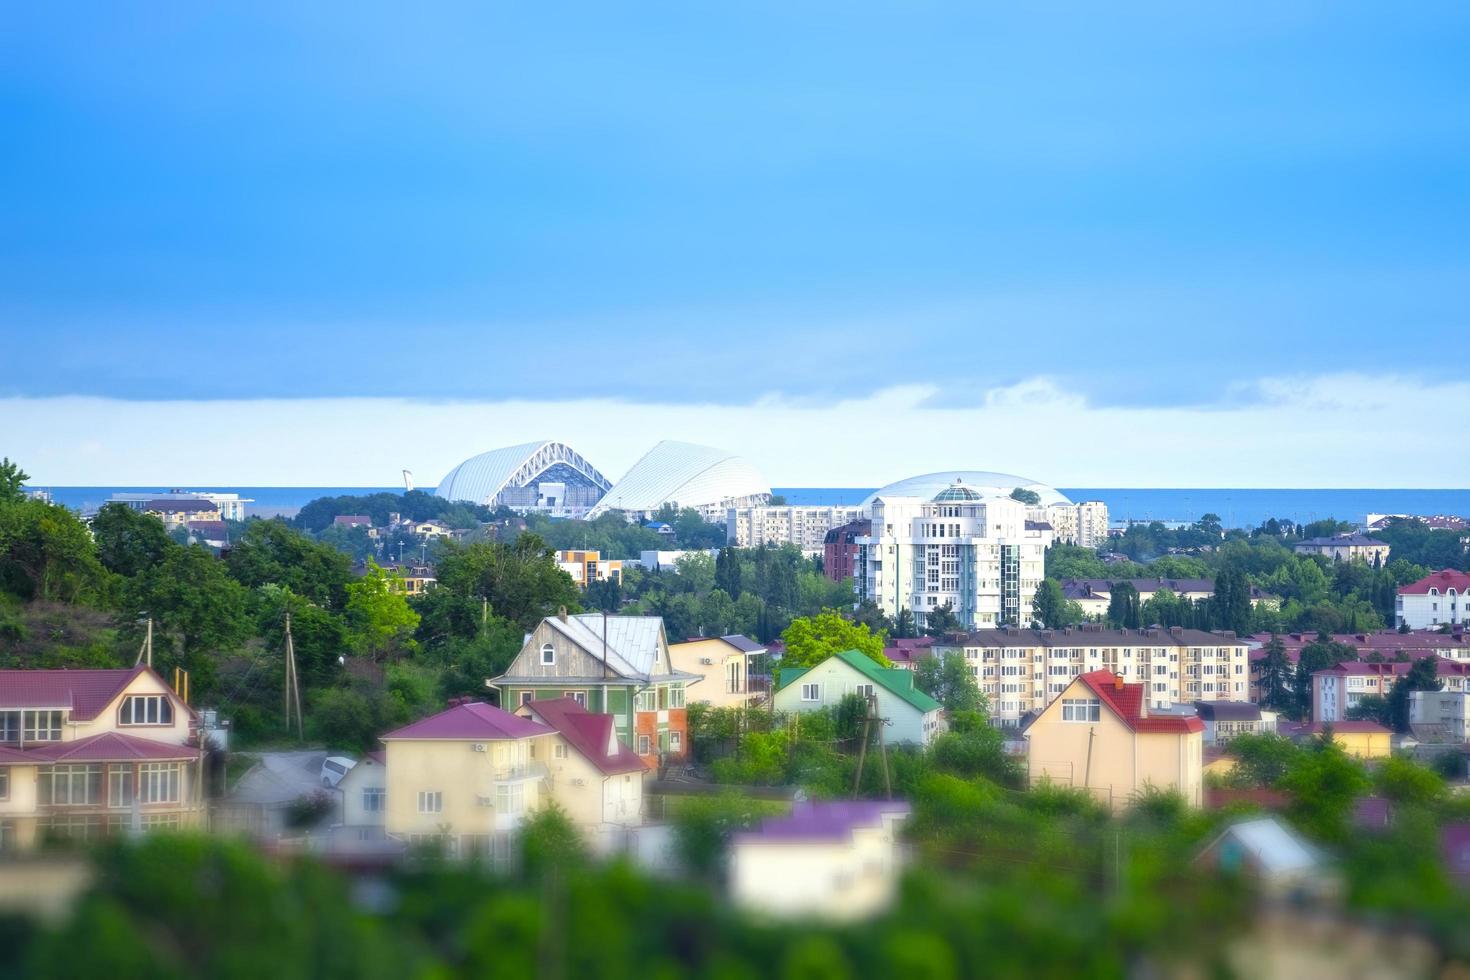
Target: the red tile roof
(475, 720)
(1443, 580)
(1126, 701)
(85, 692)
(589, 733)
(111, 747)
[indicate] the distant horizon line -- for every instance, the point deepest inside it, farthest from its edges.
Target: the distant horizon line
(177, 484)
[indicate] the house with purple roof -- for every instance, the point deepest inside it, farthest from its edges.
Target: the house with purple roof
(828, 859)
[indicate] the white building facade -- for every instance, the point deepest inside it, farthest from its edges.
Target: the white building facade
(1084, 524)
(805, 527)
(980, 555)
(1435, 600)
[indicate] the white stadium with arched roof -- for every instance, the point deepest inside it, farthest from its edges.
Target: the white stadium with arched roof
(707, 479)
(546, 476)
(987, 484)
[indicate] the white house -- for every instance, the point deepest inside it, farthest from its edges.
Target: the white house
(1434, 600)
(909, 714)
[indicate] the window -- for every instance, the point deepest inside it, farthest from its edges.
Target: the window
(811, 692)
(578, 696)
(526, 697)
(9, 726)
(647, 700)
(676, 695)
(676, 741)
(120, 786)
(548, 655)
(431, 802)
(374, 798)
(643, 745)
(146, 709)
(864, 690)
(158, 782)
(74, 785)
(1081, 709)
(510, 798)
(559, 750)
(41, 726)
(4, 782)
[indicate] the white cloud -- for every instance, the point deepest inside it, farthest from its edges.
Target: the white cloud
(1333, 430)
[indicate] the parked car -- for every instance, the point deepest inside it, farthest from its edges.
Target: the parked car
(334, 768)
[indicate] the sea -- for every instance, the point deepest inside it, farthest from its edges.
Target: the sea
(1237, 507)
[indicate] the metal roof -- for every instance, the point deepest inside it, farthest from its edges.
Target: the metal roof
(685, 474)
(987, 484)
(480, 478)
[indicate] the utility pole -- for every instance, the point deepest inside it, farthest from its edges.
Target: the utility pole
(293, 686)
(857, 780)
(882, 746)
(145, 652)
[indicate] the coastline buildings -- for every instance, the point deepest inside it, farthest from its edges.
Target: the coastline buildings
(226, 506)
(805, 527)
(1024, 670)
(1435, 600)
(977, 554)
(1345, 547)
(1084, 524)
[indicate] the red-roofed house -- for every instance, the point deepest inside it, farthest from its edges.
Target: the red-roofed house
(464, 778)
(86, 753)
(1100, 735)
(1434, 600)
(591, 775)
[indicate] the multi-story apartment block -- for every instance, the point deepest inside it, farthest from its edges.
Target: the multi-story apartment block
(90, 753)
(805, 527)
(589, 566)
(979, 555)
(840, 550)
(1084, 524)
(1435, 600)
(1024, 670)
(1339, 688)
(1440, 716)
(1345, 547)
(229, 506)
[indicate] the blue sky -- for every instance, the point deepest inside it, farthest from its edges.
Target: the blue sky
(680, 204)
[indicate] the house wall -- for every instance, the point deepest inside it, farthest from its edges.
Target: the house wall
(836, 880)
(723, 683)
(453, 768)
(1365, 745)
(366, 774)
(581, 789)
(836, 680)
(107, 719)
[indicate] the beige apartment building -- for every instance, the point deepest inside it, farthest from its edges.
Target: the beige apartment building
(1025, 670)
(89, 753)
(724, 664)
(805, 527)
(1100, 735)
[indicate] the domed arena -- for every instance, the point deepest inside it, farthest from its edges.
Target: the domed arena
(982, 482)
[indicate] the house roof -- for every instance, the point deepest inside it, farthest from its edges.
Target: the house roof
(632, 641)
(1228, 710)
(1342, 541)
(1097, 636)
(475, 720)
(111, 747)
(895, 680)
(743, 643)
(84, 692)
(1454, 844)
(1143, 584)
(589, 733)
(1126, 701)
(353, 519)
(1276, 848)
(1443, 667)
(812, 820)
(1349, 728)
(1442, 580)
(180, 504)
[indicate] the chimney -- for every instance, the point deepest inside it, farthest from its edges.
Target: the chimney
(1176, 631)
(1117, 682)
(561, 613)
(1228, 636)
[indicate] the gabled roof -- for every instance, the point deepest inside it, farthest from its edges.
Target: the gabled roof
(632, 641)
(743, 643)
(1342, 541)
(1276, 848)
(84, 692)
(111, 747)
(825, 820)
(1442, 580)
(894, 680)
(476, 720)
(589, 733)
(1126, 701)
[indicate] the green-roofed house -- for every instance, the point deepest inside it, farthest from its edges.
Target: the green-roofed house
(912, 715)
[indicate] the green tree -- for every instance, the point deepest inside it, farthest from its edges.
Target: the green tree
(1423, 676)
(273, 553)
(46, 553)
(728, 572)
(941, 621)
(12, 482)
(812, 639)
(1231, 605)
(1262, 760)
(1051, 609)
(379, 619)
(129, 541)
(1276, 677)
(1320, 654)
(947, 679)
(1124, 610)
(903, 625)
(197, 609)
(1028, 497)
(522, 580)
(1324, 782)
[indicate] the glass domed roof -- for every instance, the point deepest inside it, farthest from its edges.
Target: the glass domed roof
(957, 492)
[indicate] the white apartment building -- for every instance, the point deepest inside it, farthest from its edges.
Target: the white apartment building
(231, 506)
(1024, 670)
(1440, 716)
(1435, 600)
(981, 555)
(805, 527)
(1084, 524)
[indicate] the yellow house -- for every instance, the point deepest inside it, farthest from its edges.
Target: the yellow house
(464, 779)
(591, 775)
(1363, 739)
(1100, 735)
(724, 664)
(88, 753)
(586, 567)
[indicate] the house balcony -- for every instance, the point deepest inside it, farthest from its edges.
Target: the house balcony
(529, 772)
